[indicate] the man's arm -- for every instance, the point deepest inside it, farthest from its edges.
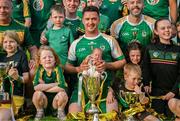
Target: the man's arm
(173, 10)
(33, 51)
(72, 69)
(117, 55)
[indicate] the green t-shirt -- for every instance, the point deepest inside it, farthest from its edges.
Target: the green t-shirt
(103, 26)
(112, 9)
(156, 8)
(73, 24)
(23, 32)
(127, 32)
(55, 76)
(21, 10)
(60, 41)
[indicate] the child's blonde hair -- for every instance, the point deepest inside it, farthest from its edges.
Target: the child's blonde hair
(57, 8)
(11, 34)
(45, 47)
(132, 67)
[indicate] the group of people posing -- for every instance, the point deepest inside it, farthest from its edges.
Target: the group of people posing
(138, 53)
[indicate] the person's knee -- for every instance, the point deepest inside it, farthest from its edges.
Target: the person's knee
(112, 106)
(174, 106)
(172, 103)
(5, 115)
(151, 118)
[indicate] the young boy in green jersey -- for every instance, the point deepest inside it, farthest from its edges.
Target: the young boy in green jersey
(58, 37)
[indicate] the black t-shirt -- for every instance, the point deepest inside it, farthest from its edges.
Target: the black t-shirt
(19, 60)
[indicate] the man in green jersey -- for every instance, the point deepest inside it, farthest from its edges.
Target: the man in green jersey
(134, 27)
(104, 24)
(112, 8)
(21, 12)
(161, 9)
(112, 56)
(7, 23)
(72, 20)
(40, 12)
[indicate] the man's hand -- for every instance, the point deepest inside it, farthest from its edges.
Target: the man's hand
(84, 65)
(43, 39)
(100, 65)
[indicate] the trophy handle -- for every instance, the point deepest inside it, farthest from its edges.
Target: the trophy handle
(104, 75)
(80, 77)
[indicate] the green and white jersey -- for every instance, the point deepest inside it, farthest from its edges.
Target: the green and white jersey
(73, 24)
(60, 41)
(103, 26)
(21, 10)
(126, 32)
(156, 8)
(112, 9)
(84, 46)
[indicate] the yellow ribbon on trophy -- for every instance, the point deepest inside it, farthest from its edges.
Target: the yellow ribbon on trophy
(98, 99)
(112, 116)
(136, 108)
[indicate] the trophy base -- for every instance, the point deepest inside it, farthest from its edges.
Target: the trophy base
(92, 110)
(4, 97)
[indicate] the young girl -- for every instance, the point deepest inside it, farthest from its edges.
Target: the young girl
(49, 84)
(134, 52)
(161, 67)
(18, 72)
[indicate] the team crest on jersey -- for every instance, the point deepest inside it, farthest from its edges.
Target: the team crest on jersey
(144, 33)
(152, 2)
(38, 5)
(156, 54)
(102, 47)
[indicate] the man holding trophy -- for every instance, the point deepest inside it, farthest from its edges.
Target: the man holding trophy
(112, 59)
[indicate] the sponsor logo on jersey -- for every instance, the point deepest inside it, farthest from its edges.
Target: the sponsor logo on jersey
(38, 5)
(152, 2)
(91, 43)
(81, 49)
(125, 34)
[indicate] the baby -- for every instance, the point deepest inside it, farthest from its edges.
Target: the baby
(92, 59)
